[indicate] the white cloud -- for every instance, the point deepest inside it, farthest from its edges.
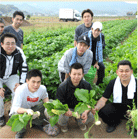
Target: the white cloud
(131, 2)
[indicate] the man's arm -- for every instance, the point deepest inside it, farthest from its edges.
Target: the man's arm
(46, 100)
(66, 76)
(21, 110)
(21, 45)
(88, 63)
(101, 103)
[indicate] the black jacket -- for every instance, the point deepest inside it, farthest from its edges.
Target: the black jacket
(16, 61)
(65, 92)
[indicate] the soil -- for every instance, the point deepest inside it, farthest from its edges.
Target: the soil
(73, 132)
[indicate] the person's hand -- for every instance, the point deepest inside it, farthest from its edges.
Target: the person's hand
(16, 85)
(30, 112)
(68, 113)
(84, 117)
(36, 114)
(96, 108)
(96, 65)
(93, 111)
(2, 92)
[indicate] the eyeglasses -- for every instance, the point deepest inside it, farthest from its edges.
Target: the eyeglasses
(12, 44)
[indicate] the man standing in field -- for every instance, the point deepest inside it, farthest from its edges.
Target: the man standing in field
(17, 20)
(27, 99)
(87, 16)
(124, 90)
(65, 93)
(12, 60)
(79, 54)
(97, 44)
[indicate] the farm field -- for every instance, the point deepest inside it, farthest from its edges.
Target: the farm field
(45, 45)
(44, 49)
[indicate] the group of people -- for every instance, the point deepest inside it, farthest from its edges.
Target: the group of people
(27, 90)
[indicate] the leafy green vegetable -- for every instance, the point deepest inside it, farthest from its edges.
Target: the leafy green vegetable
(132, 120)
(86, 99)
(19, 121)
(56, 108)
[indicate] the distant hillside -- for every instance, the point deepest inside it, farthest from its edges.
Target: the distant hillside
(8, 10)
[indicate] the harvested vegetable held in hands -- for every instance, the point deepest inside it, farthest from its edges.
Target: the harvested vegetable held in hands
(56, 108)
(19, 121)
(86, 99)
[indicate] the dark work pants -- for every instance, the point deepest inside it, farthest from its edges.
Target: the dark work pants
(111, 113)
(100, 73)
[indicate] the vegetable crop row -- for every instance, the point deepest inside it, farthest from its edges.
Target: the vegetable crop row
(125, 51)
(49, 65)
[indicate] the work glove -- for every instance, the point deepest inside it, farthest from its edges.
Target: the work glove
(30, 112)
(36, 114)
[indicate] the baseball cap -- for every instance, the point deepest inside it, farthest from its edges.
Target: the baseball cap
(97, 25)
(84, 39)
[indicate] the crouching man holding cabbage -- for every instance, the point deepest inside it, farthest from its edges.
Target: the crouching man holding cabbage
(124, 90)
(65, 93)
(27, 100)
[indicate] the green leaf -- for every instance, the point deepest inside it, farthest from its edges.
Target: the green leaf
(53, 120)
(48, 105)
(26, 118)
(86, 135)
(17, 125)
(20, 118)
(82, 95)
(92, 93)
(81, 107)
(11, 120)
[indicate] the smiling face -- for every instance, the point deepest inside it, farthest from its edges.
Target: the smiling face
(76, 76)
(9, 45)
(33, 83)
(87, 19)
(124, 72)
(81, 48)
(96, 32)
(17, 21)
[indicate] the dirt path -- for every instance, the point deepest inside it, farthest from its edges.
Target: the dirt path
(74, 131)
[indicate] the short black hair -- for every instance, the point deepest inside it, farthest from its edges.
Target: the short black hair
(76, 66)
(87, 11)
(2, 21)
(33, 73)
(10, 35)
(18, 13)
(124, 62)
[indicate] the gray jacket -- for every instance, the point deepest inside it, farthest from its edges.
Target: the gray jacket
(86, 61)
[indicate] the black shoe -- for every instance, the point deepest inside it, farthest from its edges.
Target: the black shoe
(2, 121)
(40, 127)
(110, 129)
(7, 92)
(20, 134)
(135, 133)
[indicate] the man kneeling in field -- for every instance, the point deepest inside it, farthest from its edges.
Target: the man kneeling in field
(124, 90)
(65, 93)
(27, 97)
